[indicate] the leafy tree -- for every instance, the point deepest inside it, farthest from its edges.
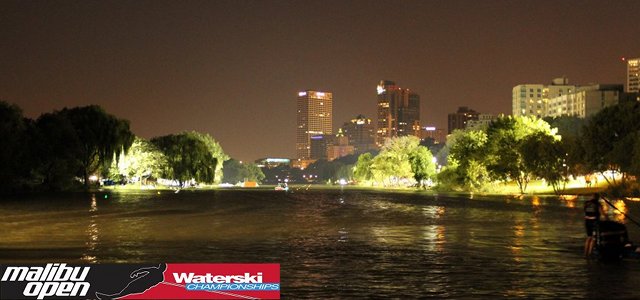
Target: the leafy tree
(143, 160)
(327, 171)
(235, 172)
(192, 155)
(214, 148)
(571, 130)
(544, 156)
(232, 171)
(13, 130)
(56, 149)
(466, 160)
(101, 136)
(609, 137)
(345, 172)
(362, 169)
(392, 164)
(635, 165)
(254, 173)
(422, 165)
(505, 136)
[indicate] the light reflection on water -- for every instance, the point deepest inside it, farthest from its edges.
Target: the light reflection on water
(335, 244)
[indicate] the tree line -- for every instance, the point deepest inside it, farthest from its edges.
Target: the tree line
(521, 149)
(62, 149)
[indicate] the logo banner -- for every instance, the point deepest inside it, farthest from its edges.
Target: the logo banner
(140, 281)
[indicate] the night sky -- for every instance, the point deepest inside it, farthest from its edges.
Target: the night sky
(233, 68)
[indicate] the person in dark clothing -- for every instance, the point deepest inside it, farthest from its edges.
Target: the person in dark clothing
(592, 213)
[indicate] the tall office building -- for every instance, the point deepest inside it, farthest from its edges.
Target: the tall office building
(562, 99)
(585, 101)
(398, 111)
(360, 133)
(460, 118)
(314, 117)
(319, 145)
(633, 75)
(533, 99)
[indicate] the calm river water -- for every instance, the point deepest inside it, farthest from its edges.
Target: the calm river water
(333, 243)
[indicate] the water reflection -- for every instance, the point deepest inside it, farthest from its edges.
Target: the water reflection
(343, 235)
(535, 201)
(434, 238)
(516, 245)
(617, 212)
(333, 244)
(93, 233)
(569, 200)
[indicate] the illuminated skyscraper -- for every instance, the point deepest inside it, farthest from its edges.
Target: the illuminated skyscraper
(398, 111)
(314, 117)
(633, 75)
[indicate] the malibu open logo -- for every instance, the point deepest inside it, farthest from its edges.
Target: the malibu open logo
(52, 280)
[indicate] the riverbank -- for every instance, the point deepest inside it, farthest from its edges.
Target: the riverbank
(538, 188)
(535, 188)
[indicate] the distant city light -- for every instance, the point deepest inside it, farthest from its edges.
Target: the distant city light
(380, 89)
(302, 94)
(320, 94)
(430, 128)
(278, 160)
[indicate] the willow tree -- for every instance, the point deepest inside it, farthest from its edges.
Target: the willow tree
(101, 136)
(192, 155)
(143, 160)
(362, 169)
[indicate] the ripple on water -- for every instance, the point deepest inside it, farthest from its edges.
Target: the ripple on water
(335, 244)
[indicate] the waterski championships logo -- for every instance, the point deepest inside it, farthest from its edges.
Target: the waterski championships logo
(140, 281)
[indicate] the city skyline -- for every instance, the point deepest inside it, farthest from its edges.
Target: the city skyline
(232, 69)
